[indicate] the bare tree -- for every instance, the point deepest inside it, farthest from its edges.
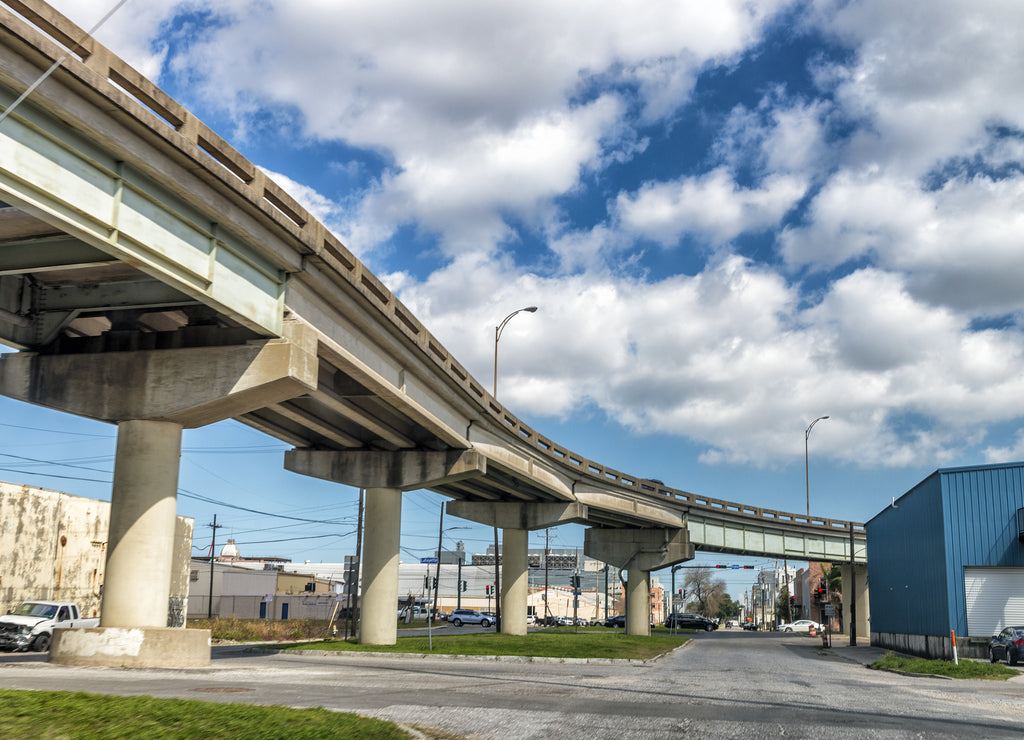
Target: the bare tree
(706, 592)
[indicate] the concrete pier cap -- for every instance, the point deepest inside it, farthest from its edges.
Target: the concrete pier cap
(639, 549)
(513, 515)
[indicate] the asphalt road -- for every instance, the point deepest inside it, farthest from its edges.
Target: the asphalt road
(722, 684)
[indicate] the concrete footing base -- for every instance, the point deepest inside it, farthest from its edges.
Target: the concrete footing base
(142, 647)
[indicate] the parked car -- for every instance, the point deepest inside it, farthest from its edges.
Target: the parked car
(565, 621)
(531, 619)
(30, 626)
(690, 622)
(460, 617)
(752, 626)
(412, 612)
(801, 625)
(1007, 645)
(619, 620)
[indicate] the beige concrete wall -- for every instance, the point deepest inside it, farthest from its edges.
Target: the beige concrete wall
(54, 546)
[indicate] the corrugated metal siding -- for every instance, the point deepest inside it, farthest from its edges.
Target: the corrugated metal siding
(995, 599)
(980, 526)
(907, 564)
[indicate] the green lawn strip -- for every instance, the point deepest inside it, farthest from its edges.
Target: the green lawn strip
(966, 668)
(79, 716)
(537, 644)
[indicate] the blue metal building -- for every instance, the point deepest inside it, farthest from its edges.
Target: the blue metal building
(948, 556)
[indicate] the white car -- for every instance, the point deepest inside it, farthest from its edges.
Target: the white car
(800, 625)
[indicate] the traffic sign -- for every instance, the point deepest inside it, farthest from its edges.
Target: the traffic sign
(429, 561)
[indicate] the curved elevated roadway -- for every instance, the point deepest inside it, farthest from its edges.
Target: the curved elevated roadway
(156, 279)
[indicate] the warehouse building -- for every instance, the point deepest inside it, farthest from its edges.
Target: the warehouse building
(946, 558)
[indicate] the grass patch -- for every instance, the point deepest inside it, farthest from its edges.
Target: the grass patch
(81, 716)
(263, 630)
(966, 668)
(540, 644)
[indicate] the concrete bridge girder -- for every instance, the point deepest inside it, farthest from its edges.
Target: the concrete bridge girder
(631, 507)
(745, 537)
(66, 180)
(523, 465)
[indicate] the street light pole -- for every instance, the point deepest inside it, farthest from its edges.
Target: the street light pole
(494, 392)
(807, 473)
(497, 335)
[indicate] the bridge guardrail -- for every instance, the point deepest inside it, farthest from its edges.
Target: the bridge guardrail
(56, 36)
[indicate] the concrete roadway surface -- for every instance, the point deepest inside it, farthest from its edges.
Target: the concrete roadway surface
(722, 684)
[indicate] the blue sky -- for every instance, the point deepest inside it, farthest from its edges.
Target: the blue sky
(735, 217)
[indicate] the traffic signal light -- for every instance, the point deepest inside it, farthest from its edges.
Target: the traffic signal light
(465, 585)
(435, 582)
(487, 590)
(721, 566)
(792, 599)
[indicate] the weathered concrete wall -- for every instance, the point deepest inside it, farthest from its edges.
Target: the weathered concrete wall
(54, 546)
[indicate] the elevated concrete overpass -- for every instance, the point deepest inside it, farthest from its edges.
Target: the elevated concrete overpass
(154, 278)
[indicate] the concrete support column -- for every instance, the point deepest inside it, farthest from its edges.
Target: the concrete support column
(861, 594)
(379, 623)
(515, 566)
(638, 602)
(142, 517)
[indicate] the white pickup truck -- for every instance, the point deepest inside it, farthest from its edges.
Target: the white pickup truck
(31, 624)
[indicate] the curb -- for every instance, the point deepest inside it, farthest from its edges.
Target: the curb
(480, 658)
(908, 673)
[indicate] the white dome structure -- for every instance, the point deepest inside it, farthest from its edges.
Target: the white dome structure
(229, 551)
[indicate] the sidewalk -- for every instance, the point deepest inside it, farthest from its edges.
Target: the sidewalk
(862, 653)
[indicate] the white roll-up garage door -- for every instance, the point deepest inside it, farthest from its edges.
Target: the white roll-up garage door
(995, 599)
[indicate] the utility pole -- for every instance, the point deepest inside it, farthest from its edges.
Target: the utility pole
(437, 580)
(353, 602)
(213, 550)
(497, 584)
(853, 593)
(547, 555)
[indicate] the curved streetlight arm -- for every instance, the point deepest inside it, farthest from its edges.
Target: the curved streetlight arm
(807, 475)
(497, 335)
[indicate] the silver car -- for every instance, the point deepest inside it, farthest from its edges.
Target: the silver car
(460, 617)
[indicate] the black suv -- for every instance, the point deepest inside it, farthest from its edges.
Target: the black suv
(690, 622)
